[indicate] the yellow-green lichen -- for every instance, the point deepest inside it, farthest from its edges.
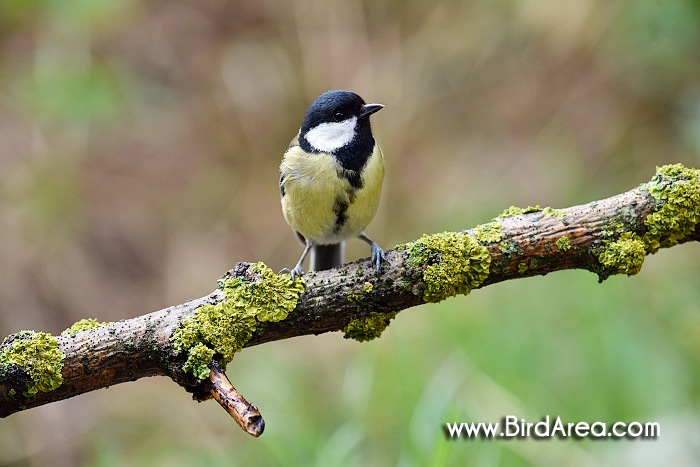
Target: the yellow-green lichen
(553, 212)
(451, 264)
(612, 228)
(624, 255)
(531, 264)
(680, 214)
(367, 287)
(516, 211)
(83, 325)
(509, 247)
(488, 233)
(198, 359)
(368, 328)
(225, 328)
(563, 243)
(36, 354)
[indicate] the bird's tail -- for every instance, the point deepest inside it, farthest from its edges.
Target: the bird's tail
(327, 256)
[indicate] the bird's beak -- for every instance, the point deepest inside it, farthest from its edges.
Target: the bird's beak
(369, 109)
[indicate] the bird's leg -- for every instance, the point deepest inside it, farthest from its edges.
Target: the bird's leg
(377, 253)
(298, 269)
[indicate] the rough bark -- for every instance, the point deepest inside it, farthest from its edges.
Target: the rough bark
(528, 244)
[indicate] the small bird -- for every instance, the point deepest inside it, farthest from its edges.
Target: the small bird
(331, 179)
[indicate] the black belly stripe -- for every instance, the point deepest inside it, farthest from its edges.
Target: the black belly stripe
(341, 210)
(341, 214)
(354, 178)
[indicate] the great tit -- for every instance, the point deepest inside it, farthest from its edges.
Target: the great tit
(331, 179)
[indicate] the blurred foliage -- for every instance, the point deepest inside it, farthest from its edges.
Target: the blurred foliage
(66, 94)
(139, 149)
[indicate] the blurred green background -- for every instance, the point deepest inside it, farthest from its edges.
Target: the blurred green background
(139, 152)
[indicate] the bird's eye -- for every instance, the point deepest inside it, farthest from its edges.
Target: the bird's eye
(339, 116)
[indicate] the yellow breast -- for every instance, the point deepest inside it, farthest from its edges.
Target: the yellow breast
(320, 203)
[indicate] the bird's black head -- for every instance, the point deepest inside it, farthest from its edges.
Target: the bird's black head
(337, 122)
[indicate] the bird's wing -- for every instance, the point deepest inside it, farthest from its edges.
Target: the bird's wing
(292, 144)
(295, 141)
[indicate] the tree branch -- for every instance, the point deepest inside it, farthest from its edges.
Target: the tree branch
(186, 341)
(246, 415)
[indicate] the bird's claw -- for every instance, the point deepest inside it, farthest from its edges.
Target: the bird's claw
(297, 272)
(377, 256)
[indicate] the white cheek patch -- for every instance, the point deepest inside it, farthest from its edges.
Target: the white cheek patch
(331, 136)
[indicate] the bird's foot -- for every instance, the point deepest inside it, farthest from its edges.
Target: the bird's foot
(377, 255)
(297, 272)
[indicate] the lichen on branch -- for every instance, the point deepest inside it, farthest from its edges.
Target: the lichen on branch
(252, 305)
(83, 325)
(221, 330)
(676, 215)
(35, 361)
(451, 263)
(368, 328)
(679, 215)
